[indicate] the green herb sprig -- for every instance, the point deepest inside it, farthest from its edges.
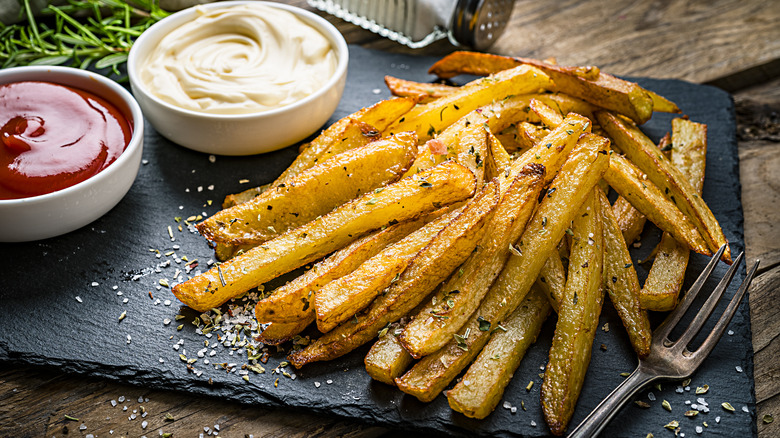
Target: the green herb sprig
(79, 33)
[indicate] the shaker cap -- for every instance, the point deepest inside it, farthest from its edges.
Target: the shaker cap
(479, 23)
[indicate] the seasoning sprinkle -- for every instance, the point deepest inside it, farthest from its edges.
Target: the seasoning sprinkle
(122, 315)
(674, 424)
(727, 406)
(666, 405)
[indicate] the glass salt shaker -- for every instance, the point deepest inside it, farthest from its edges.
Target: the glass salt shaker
(418, 23)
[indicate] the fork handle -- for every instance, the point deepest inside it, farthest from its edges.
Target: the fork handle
(595, 422)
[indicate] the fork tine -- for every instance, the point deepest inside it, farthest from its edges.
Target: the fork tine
(706, 310)
(724, 320)
(671, 321)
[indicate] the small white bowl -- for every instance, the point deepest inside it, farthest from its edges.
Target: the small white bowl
(60, 212)
(237, 134)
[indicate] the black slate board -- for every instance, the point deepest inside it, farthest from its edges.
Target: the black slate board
(60, 305)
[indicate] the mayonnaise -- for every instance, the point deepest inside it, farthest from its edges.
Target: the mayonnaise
(238, 60)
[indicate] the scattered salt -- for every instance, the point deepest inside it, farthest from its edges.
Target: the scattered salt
(739, 369)
(78, 298)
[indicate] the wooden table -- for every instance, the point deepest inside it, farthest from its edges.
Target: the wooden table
(732, 44)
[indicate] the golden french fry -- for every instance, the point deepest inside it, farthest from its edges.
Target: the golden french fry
(387, 359)
(278, 332)
(313, 192)
(552, 279)
(425, 91)
(586, 83)
(431, 118)
(621, 282)
(643, 194)
(454, 303)
(411, 197)
(379, 116)
(481, 388)
(292, 302)
(578, 319)
(498, 160)
(583, 169)
(666, 276)
(547, 115)
(630, 220)
(646, 156)
(340, 299)
(662, 104)
(433, 264)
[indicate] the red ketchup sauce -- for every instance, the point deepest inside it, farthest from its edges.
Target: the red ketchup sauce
(55, 136)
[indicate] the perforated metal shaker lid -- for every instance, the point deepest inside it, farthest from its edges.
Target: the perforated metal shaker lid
(478, 23)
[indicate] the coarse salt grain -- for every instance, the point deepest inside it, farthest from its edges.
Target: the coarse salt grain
(739, 369)
(651, 396)
(78, 298)
(95, 283)
(745, 409)
(699, 429)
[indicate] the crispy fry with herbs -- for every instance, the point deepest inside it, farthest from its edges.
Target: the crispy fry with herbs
(578, 319)
(313, 192)
(483, 385)
(621, 282)
(406, 199)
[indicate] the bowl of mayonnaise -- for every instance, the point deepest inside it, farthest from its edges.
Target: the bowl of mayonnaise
(238, 77)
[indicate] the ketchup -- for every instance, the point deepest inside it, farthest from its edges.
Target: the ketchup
(54, 136)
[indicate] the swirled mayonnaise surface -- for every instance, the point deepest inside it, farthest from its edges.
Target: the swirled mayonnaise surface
(239, 60)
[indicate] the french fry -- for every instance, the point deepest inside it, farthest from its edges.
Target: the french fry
(621, 282)
(278, 332)
(583, 169)
(453, 304)
(630, 220)
(666, 276)
(498, 160)
(642, 152)
(313, 192)
(587, 83)
(340, 299)
(387, 359)
(431, 118)
(433, 264)
(292, 302)
(552, 279)
(481, 388)
(643, 194)
(546, 114)
(379, 116)
(425, 91)
(578, 319)
(402, 200)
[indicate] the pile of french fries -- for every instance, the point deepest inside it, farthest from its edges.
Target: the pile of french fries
(448, 222)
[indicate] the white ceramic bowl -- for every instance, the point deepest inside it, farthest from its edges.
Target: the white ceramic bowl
(237, 134)
(60, 212)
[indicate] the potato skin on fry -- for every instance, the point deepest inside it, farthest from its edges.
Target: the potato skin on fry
(481, 388)
(621, 282)
(434, 263)
(387, 358)
(578, 319)
(587, 83)
(313, 192)
(411, 197)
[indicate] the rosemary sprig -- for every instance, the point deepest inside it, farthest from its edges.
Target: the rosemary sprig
(80, 33)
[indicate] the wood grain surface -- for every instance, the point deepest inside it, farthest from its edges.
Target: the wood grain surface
(734, 44)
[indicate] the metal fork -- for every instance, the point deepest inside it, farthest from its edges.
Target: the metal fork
(672, 360)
